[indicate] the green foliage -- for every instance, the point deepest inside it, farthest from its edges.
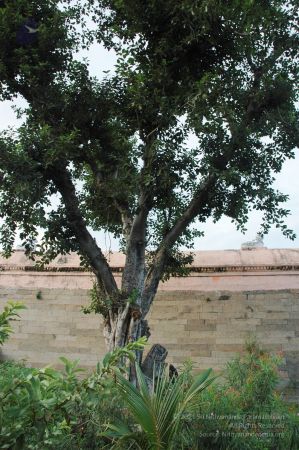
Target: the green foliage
(28, 56)
(245, 411)
(52, 409)
(255, 375)
(10, 370)
(101, 304)
(45, 408)
(112, 359)
(157, 411)
(224, 72)
(10, 313)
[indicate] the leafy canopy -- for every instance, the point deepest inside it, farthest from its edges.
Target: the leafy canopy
(223, 72)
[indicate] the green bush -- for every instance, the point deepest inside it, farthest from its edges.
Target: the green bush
(245, 412)
(9, 314)
(48, 409)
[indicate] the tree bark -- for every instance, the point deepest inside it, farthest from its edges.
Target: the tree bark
(134, 270)
(63, 182)
(155, 273)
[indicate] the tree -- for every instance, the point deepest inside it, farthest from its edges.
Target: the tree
(116, 151)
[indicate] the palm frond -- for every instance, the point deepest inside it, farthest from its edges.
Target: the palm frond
(157, 411)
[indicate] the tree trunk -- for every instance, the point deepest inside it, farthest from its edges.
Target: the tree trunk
(124, 317)
(126, 323)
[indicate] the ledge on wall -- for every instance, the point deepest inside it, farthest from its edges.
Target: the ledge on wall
(221, 261)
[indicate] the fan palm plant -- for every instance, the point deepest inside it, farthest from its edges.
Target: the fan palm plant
(157, 410)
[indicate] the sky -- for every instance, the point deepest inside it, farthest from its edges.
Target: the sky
(222, 235)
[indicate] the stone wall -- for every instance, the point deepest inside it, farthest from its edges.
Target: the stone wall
(206, 317)
(208, 327)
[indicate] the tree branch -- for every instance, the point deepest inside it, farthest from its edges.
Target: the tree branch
(252, 111)
(133, 275)
(126, 219)
(153, 277)
(123, 210)
(134, 271)
(63, 182)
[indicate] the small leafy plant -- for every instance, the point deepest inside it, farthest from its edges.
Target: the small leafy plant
(255, 376)
(157, 411)
(245, 411)
(10, 313)
(50, 409)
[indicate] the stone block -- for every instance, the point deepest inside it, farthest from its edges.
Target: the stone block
(200, 325)
(226, 340)
(235, 348)
(272, 327)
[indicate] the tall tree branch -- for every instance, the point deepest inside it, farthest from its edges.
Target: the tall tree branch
(126, 219)
(200, 199)
(134, 271)
(63, 182)
(153, 277)
(123, 210)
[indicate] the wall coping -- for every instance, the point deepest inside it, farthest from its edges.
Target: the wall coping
(194, 269)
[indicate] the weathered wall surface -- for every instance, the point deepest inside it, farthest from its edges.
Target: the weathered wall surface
(208, 327)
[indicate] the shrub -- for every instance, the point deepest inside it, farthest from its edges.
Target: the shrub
(245, 412)
(52, 410)
(48, 409)
(9, 314)
(255, 376)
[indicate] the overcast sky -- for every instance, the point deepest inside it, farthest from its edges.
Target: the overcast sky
(223, 234)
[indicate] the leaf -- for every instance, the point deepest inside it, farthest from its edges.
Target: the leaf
(159, 411)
